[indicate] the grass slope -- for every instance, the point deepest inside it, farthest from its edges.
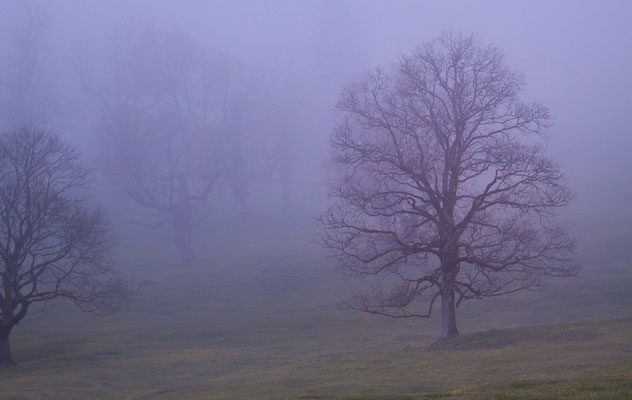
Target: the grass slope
(268, 328)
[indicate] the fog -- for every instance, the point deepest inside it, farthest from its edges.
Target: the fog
(132, 83)
(573, 55)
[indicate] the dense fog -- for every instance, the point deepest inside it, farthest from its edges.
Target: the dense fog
(265, 78)
(228, 181)
(62, 62)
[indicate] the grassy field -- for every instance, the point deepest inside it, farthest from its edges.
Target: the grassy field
(267, 327)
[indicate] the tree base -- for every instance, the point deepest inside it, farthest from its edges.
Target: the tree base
(448, 315)
(6, 360)
(448, 335)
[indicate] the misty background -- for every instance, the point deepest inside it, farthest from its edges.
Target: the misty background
(207, 126)
(574, 55)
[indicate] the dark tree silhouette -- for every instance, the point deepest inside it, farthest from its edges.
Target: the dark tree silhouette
(444, 187)
(52, 243)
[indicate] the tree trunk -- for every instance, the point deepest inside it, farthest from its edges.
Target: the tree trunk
(450, 270)
(5, 352)
(448, 314)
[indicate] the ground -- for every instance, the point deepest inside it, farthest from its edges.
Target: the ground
(268, 327)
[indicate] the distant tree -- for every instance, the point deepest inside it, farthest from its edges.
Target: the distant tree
(284, 159)
(444, 187)
(286, 124)
(164, 109)
(52, 243)
(264, 142)
(246, 131)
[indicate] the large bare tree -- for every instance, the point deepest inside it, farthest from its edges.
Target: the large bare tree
(52, 243)
(444, 187)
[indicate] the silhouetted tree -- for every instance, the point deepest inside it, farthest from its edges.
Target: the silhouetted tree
(444, 187)
(52, 243)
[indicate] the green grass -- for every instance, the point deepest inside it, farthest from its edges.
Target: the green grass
(267, 327)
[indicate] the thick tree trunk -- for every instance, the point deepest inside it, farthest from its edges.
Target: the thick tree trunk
(450, 270)
(5, 352)
(448, 314)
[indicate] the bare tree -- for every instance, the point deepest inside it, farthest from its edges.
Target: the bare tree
(162, 111)
(444, 188)
(52, 243)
